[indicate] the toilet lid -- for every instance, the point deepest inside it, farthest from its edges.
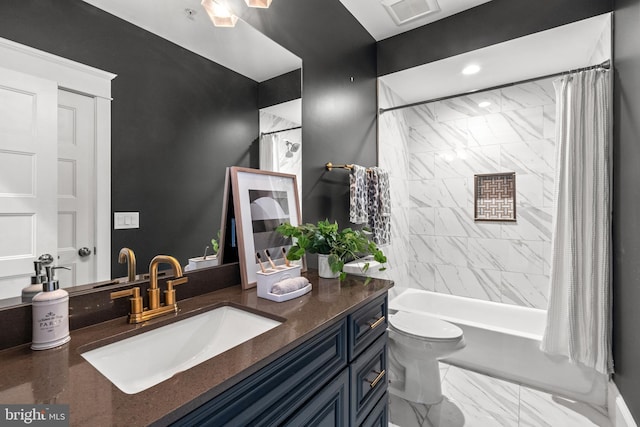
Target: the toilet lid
(423, 326)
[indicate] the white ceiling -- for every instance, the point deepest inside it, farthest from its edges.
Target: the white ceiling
(571, 46)
(242, 49)
(375, 19)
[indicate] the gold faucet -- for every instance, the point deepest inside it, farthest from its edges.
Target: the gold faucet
(137, 313)
(154, 292)
(127, 255)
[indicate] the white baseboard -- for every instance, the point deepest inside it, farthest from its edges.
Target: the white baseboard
(619, 413)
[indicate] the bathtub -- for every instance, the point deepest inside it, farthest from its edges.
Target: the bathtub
(503, 341)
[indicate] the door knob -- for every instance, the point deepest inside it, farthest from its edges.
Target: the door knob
(45, 259)
(83, 252)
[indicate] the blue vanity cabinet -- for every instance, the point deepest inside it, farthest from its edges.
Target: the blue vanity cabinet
(368, 361)
(330, 407)
(379, 415)
(315, 384)
(274, 393)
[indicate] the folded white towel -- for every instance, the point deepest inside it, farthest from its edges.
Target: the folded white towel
(289, 285)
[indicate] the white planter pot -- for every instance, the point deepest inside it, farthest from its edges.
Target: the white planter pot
(324, 270)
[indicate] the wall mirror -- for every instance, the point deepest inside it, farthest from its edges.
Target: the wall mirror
(244, 51)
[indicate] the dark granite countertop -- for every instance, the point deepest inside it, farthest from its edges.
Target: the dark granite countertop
(63, 376)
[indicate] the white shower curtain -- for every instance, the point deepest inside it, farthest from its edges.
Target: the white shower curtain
(270, 152)
(579, 313)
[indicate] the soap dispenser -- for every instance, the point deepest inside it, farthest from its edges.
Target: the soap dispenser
(50, 314)
(36, 283)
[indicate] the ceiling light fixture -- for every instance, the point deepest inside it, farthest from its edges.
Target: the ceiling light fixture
(471, 69)
(484, 104)
(262, 4)
(220, 14)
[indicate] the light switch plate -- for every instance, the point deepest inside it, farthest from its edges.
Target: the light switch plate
(126, 220)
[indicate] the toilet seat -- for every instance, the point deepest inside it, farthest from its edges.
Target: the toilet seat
(423, 327)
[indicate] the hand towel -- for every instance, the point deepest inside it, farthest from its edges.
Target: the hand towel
(358, 195)
(379, 205)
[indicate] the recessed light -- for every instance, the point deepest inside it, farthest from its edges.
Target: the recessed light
(220, 14)
(484, 104)
(262, 4)
(470, 69)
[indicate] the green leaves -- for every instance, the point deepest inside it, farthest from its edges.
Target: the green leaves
(214, 243)
(325, 238)
(335, 263)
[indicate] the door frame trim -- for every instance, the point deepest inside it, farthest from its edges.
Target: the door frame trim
(93, 82)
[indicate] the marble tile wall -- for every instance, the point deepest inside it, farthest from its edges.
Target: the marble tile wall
(602, 49)
(293, 165)
(393, 155)
(444, 144)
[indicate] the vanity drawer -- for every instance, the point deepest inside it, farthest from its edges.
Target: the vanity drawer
(329, 407)
(366, 325)
(368, 377)
(379, 416)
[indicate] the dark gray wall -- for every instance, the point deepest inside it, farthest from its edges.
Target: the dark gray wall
(626, 202)
(277, 90)
(175, 126)
(484, 25)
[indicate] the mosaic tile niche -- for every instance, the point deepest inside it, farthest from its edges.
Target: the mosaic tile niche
(495, 197)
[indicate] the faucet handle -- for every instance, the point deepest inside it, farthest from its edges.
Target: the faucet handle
(170, 293)
(136, 299)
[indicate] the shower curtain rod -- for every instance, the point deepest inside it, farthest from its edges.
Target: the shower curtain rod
(606, 65)
(278, 131)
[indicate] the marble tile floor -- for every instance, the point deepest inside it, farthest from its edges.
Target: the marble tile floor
(475, 400)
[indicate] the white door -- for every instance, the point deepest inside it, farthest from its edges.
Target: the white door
(28, 176)
(76, 188)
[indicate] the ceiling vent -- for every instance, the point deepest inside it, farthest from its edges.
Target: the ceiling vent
(403, 11)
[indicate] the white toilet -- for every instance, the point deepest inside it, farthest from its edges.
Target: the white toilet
(416, 342)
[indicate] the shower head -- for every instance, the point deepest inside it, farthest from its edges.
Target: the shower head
(292, 147)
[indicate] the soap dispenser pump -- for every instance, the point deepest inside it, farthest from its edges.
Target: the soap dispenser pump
(50, 314)
(36, 283)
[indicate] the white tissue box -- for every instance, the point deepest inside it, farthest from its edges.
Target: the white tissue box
(269, 278)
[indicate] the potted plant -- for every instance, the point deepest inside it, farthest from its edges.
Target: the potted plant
(333, 246)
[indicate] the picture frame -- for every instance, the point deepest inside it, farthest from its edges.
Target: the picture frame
(262, 200)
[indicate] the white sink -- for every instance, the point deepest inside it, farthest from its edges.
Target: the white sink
(142, 361)
(356, 266)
